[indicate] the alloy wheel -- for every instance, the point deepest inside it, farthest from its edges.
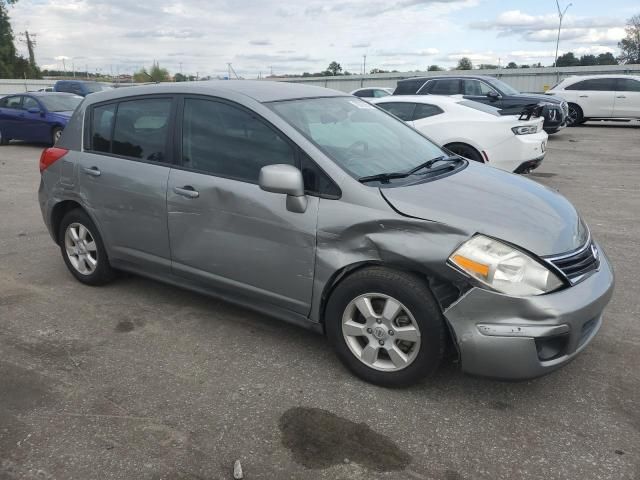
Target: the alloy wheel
(381, 332)
(572, 116)
(81, 249)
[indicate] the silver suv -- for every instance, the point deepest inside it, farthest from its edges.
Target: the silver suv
(323, 210)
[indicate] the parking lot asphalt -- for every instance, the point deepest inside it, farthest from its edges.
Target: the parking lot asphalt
(139, 380)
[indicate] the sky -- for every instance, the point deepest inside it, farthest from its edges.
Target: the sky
(289, 36)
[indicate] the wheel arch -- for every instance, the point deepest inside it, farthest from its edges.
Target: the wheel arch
(63, 207)
(466, 143)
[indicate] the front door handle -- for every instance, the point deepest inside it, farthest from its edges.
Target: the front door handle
(621, 96)
(187, 191)
(93, 171)
(584, 96)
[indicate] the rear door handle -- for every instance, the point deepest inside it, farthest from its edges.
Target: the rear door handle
(621, 96)
(187, 191)
(584, 96)
(93, 171)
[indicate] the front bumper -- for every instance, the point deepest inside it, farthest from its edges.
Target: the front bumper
(518, 338)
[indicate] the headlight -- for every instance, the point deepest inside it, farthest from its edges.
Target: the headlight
(503, 268)
(525, 129)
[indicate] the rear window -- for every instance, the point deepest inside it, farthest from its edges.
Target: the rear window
(594, 84)
(627, 85)
(408, 87)
(402, 110)
(60, 103)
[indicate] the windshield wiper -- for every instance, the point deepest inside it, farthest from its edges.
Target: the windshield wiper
(430, 163)
(383, 177)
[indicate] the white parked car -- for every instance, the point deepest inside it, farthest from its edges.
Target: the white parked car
(473, 130)
(372, 92)
(599, 97)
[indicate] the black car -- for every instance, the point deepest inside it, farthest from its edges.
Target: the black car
(491, 91)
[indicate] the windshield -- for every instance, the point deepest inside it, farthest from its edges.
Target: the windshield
(97, 87)
(480, 106)
(506, 89)
(60, 103)
(359, 137)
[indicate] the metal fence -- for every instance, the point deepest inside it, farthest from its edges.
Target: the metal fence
(531, 80)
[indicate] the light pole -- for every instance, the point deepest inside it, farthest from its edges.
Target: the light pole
(560, 17)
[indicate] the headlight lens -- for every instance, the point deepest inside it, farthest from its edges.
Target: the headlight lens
(503, 268)
(525, 129)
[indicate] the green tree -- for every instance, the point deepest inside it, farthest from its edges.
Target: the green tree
(156, 74)
(7, 47)
(335, 68)
(378, 70)
(488, 66)
(512, 65)
(178, 77)
(630, 45)
(588, 60)
(434, 68)
(606, 59)
(525, 66)
(464, 64)
(567, 60)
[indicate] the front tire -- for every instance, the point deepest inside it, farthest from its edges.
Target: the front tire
(83, 250)
(386, 326)
(575, 116)
(56, 133)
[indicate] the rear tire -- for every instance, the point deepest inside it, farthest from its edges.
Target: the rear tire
(575, 116)
(4, 140)
(466, 151)
(83, 250)
(397, 302)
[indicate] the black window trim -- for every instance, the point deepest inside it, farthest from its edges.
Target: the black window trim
(20, 96)
(413, 116)
(87, 143)
(297, 150)
(619, 81)
(381, 104)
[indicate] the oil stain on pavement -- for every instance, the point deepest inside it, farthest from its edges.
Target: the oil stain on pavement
(319, 439)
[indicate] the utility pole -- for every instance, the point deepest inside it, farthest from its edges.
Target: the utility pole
(64, 67)
(560, 17)
(29, 39)
(364, 64)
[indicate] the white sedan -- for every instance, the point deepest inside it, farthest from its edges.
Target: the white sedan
(473, 130)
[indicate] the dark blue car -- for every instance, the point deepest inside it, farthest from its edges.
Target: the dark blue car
(37, 117)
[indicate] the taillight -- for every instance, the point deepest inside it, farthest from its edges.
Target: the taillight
(50, 156)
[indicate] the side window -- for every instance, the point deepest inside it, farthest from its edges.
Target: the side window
(446, 87)
(316, 182)
(476, 88)
(224, 140)
(402, 110)
(76, 88)
(424, 110)
(627, 85)
(364, 94)
(63, 87)
(12, 102)
(29, 103)
(380, 93)
(141, 129)
(594, 84)
(408, 87)
(101, 127)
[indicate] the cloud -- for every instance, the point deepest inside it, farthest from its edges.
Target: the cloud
(361, 45)
(259, 42)
(164, 34)
(427, 52)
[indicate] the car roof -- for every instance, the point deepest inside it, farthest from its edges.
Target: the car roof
(259, 90)
(440, 77)
(576, 78)
(49, 94)
(432, 99)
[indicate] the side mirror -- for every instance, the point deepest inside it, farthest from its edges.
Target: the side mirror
(493, 96)
(286, 179)
(33, 110)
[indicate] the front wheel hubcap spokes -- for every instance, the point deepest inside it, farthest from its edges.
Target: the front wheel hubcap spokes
(81, 248)
(381, 332)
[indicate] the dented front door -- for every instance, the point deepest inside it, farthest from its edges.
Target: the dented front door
(230, 235)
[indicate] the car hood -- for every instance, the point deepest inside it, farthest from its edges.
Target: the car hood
(536, 98)
(482, 199)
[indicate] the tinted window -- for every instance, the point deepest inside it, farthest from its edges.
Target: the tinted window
(315, 180)
(446, 87)
(408, 87)
(141, 129)
(481, 106)
(402, 110)
(627, 85)
(63, 87)
(11, 102)
(29, 102)
(357, 136)
(424, 110)
(224, 140)
(364, 93)
(594, 84)
(380, 93)
(476, 88)
(101, 128)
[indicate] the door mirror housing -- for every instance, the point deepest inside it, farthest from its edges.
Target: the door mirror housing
(34, 110)
(493, 96)
(285, 179)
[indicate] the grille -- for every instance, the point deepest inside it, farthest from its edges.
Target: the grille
(576, 265)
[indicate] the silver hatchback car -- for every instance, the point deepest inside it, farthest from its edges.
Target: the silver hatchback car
(325, 211)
